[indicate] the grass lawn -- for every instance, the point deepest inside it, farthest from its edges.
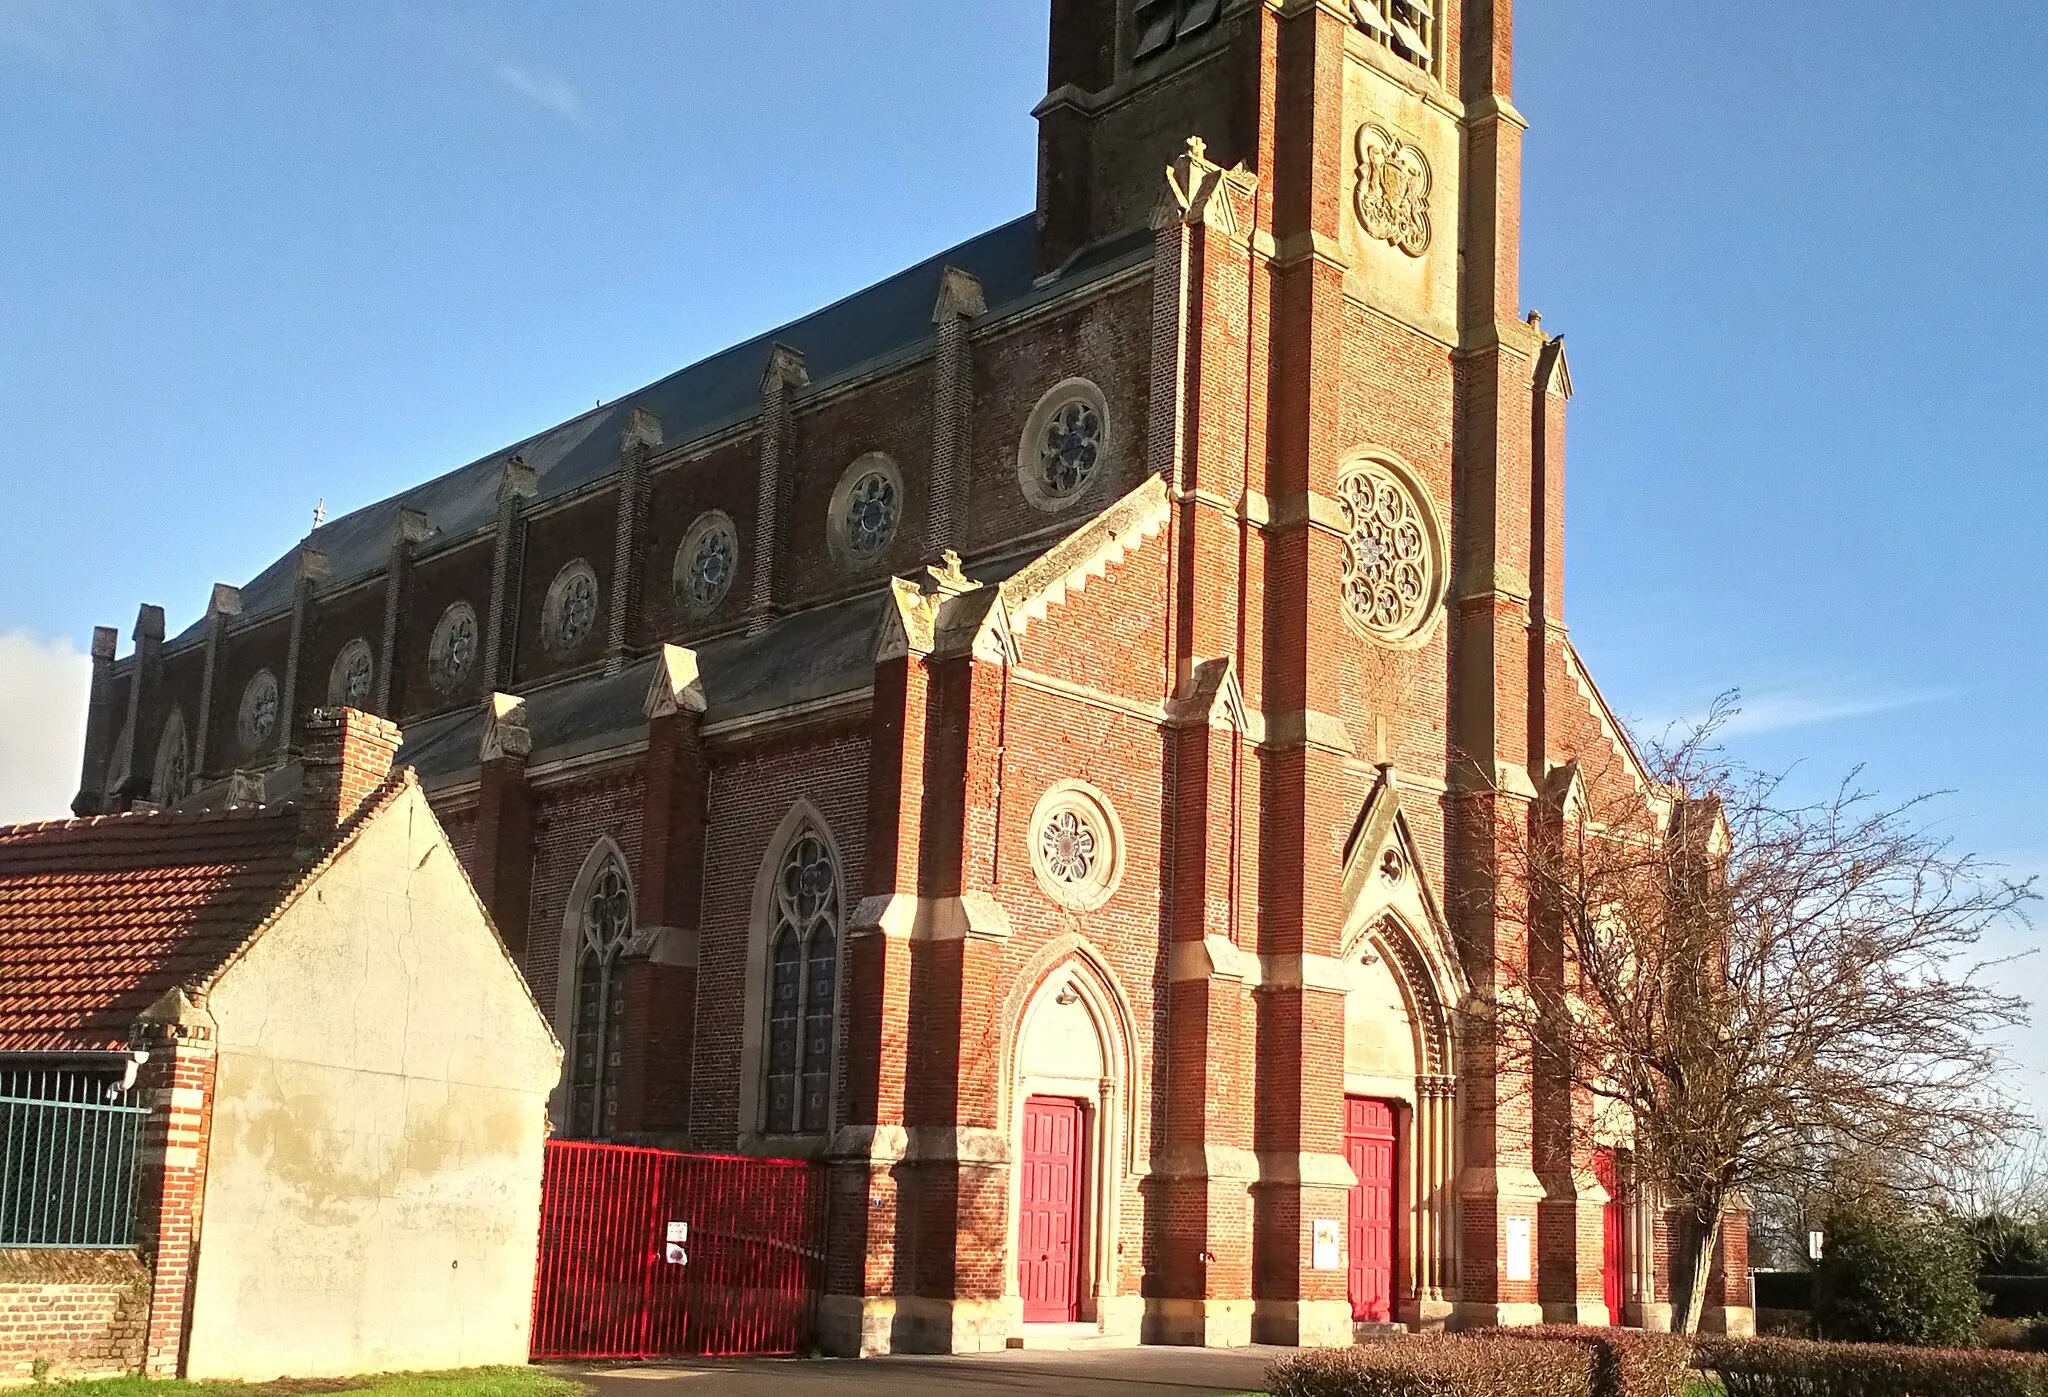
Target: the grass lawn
(472, 1382)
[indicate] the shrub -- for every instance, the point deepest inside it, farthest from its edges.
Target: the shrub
(1792, 1368)
(1623, 1362)
(1896, 1279)
(1448, 1366)
(2023, 1335)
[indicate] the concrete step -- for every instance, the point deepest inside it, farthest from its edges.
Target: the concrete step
(1066, 1338)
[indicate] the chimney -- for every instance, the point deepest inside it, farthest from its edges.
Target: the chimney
(347, 760)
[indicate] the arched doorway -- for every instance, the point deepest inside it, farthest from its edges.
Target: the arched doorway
(1069, 1094)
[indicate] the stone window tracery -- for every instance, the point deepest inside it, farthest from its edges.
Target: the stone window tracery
(598, 1043)
(257, 721)
(172, 762)
(348, 684)
(1392, 576)
(452, 653)
(1065, 446)
(569, 615)
(803, 971)
(866, 510)
(1405, 27)
(1076, 846)
(706, 563)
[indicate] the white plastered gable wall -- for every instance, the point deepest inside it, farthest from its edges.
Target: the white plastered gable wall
(373, 1188)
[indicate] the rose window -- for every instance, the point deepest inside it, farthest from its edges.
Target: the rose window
(575, 609)
(870, 514)
(349, 684)
(1390, 565)
(1076, 846)
(711, 570)
(1069, 449)
(707, 562)
(454, 649)
(1069, 847)
(259, 710)
(355, 684)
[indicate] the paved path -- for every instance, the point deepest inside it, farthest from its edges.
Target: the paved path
(1141, 1372)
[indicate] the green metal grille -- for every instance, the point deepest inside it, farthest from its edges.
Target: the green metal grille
(70, 1139)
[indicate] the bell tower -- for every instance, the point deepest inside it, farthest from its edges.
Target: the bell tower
(1129, 82)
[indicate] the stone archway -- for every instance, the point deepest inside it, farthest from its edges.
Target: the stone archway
(1405, 987)
(1069, 1039)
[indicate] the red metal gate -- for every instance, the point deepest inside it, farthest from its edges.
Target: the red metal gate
(607, 1287)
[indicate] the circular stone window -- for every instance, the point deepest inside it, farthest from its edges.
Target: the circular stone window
(706, 563)
(348, 683)
(866, 508)
(257, 722)
(453, 652)
(1066, 441)
(1076, 846)
(1393, 554)
(570, 613)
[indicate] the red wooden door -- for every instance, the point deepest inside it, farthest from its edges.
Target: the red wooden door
(1369, 1147)
(1049, 1221)
(1614, 1235)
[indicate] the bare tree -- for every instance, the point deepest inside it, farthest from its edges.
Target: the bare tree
(1763, 986)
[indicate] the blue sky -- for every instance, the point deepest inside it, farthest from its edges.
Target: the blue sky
(260, 254)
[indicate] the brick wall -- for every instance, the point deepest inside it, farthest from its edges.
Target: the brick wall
(71, 1314)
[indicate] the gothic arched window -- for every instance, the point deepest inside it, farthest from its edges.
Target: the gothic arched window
(803, 977)
(600, 1002)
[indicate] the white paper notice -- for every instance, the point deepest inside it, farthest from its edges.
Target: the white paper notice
(1518, 1249)
(1329, 1240)
(679, 1232)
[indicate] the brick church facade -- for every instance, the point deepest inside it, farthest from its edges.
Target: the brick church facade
(1039, 735)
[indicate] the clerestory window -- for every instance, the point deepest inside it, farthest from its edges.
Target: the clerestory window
(803, 979)
(1407, 27)
(1160, 24)
(600, 1032)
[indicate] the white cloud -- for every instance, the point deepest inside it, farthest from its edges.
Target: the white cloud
(103, 36)
(543, 89)
(1787, 709)
(43, 691)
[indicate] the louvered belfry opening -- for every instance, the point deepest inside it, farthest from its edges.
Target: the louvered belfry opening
(1160, 24)
(1407, 27)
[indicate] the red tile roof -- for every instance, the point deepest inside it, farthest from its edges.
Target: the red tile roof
(100, 917)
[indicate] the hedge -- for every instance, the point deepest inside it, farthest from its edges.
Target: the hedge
(1436, 1366)
(1622, 1362)
(1494, 1363)
(1795, 1368)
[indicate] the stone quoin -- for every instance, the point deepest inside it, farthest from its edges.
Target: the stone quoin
(1041, 734)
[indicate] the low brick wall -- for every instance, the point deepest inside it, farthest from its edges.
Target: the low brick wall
(82, 1313)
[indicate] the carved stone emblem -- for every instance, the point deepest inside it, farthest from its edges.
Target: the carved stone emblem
(1394, 182)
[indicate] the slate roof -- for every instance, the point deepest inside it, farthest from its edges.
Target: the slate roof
(887, 319)
(99, 918)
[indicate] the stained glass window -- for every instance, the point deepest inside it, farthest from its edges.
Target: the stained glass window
(599, 1037)
(1069, 449)
(571, 610)
(803, 978)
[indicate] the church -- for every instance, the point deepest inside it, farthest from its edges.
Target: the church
(1040, 736)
